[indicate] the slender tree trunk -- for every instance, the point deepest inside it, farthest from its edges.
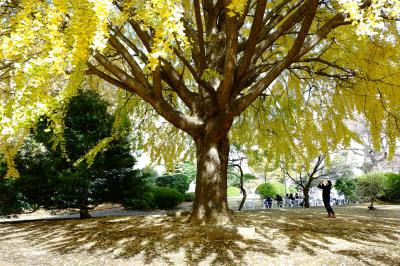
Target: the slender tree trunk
(243, 191)
(84, 213)
(306, 191)
(371, 207)
(243, 199)
(211, 204)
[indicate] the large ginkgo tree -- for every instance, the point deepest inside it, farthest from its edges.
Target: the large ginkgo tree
(282, 74)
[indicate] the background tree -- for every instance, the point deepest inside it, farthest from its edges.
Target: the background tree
(236, 180)
(304, 178)
(187, 168)
(392, 187)
(201, 64)
(179, 178)
(370, 187)
(57, 179)
(373, 160)
(348, 187)
(236, 176)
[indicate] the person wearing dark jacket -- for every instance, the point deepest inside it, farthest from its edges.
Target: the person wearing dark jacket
(326, 186)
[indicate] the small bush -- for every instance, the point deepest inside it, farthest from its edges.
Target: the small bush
(270, 189)
(347, 187)
(146, 202)
(189, 196)
(392, 187)
(233, 192)
(9, 200)
(179, 182)
(371, 186)
(167, 198)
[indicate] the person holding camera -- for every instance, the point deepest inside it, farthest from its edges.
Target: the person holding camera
(326, 186)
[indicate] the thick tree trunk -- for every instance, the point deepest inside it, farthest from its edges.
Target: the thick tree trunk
(211, 204)
(306, 197)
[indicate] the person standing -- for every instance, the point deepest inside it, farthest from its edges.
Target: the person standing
(326, 186)
(279, 200)
(291, 198)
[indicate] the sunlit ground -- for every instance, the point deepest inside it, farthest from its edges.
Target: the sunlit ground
(283, 237)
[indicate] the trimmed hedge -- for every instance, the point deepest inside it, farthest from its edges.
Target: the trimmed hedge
(143, 203)
(270, 189)
(179, 182)
(392, 187)
(189, 196)
(167, 198)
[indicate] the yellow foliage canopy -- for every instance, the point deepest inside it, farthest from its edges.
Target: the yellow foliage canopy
(46, 48)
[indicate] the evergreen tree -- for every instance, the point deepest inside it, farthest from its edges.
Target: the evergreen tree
(49, 177)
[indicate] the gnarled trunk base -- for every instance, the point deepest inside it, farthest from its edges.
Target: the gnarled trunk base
(211, 204)
(214, 216)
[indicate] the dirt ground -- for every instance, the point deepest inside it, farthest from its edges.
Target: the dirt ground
(283, 237)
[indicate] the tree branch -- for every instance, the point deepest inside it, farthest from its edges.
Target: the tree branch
(202, 53)
(252, 40)
(134, 66)
(186, 123)
(132, 83)
(225, 88)
(93, 70)
(243, 102)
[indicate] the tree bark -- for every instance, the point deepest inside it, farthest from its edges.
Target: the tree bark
(211, 204)
(244, 193)
(371, 207)
(84, 213)
(306, 197)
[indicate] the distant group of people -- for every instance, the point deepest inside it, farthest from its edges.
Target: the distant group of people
(294, 200)
(291, 200)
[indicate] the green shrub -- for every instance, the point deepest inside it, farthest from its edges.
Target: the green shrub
(189, 196)
(270, 189)
(347, 187)
(392, 187)
(233, 192)
(371, 186)
(9, 198)
(179, 182)
(145, 202)
(167, 198)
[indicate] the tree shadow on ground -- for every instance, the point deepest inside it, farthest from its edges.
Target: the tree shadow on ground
(163, 238)
(310, 231)
(154, 237)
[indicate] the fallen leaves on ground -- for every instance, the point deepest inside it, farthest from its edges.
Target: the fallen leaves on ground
(283, 236)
